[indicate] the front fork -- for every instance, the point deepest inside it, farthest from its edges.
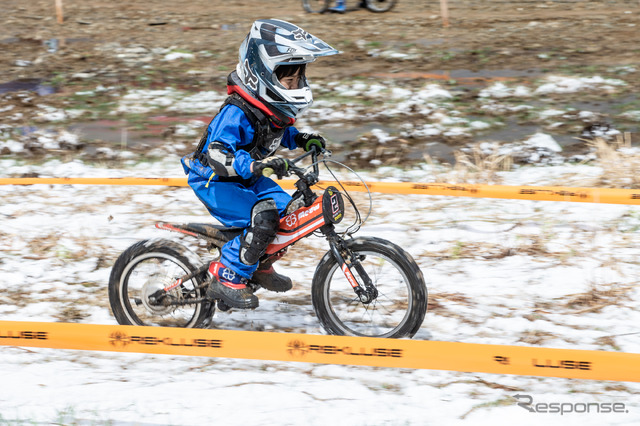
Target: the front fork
(350, 262)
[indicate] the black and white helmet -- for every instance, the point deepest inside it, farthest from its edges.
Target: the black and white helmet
(272, 43)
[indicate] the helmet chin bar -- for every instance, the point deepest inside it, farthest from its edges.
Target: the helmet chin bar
(294, 103)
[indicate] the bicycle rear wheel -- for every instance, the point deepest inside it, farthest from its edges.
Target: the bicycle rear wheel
(149, 266)
(379, 6)
(315, 6)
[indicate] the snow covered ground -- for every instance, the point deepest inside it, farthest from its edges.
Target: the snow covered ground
(510, 272)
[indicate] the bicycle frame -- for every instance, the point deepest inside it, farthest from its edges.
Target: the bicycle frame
(328, 209)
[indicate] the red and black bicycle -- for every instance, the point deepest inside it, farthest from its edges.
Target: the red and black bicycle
(362, 286)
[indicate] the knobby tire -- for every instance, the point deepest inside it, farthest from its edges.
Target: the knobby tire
(315, 6)
(400, 307)
(150, 265)
(379, 6)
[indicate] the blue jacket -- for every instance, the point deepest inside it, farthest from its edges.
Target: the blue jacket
(231, 128)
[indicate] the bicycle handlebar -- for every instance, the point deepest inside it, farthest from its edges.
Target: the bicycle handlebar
(298, 171)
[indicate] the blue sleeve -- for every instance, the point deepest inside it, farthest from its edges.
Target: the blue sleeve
(232, 128)
(288, 139)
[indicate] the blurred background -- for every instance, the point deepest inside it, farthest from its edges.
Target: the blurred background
(149, 74)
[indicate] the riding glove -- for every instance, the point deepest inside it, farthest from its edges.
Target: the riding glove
(278, 165)
(307, 140)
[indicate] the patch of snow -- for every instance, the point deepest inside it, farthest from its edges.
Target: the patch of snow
(541, 140)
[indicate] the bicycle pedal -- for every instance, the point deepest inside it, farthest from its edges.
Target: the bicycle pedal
(223, 307)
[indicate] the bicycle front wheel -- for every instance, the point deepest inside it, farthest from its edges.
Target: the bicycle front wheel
(315, 6)
(401, 302)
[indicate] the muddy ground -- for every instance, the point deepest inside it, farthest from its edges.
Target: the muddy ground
(485, 41)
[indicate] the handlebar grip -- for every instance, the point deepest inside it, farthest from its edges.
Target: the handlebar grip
(267, 171)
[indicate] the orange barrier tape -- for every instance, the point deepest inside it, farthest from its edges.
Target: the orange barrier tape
(539, 193)
(95, 181)
(467, 357)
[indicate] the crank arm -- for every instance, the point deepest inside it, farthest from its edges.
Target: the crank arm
(184, 278)
(159, 297)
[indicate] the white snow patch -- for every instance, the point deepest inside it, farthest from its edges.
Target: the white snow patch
(544, 141)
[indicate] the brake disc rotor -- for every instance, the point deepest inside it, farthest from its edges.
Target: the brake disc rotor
(152, 286)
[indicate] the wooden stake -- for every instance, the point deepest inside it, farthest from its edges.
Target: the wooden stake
(59, 13)
(444, 11)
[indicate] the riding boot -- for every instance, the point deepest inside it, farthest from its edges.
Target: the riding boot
(230, 287)
(269, 279)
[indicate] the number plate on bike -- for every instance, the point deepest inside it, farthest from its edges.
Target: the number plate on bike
(332, 205)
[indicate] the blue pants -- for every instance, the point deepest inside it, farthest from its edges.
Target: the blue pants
(231, 204)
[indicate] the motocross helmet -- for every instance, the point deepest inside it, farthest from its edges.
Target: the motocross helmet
(272, 43)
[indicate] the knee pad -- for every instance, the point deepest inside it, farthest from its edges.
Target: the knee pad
(265, 221)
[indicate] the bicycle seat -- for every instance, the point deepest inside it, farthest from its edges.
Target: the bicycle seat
(207, 230)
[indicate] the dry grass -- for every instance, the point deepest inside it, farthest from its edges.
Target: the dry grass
(475, 167)
(598, 297)
(71, 313)
(621, 165)
(607, 341)
(16, 297)
(536, 337)
(41, 247)
(470, 250)
(501, 402)
(447, 305)
(479, 167)
(438, 301)
(534, 245)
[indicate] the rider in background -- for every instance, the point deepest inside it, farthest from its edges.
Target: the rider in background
(268, 90)
(340, 7)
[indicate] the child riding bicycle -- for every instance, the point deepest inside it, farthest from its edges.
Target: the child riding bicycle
(268, 90)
